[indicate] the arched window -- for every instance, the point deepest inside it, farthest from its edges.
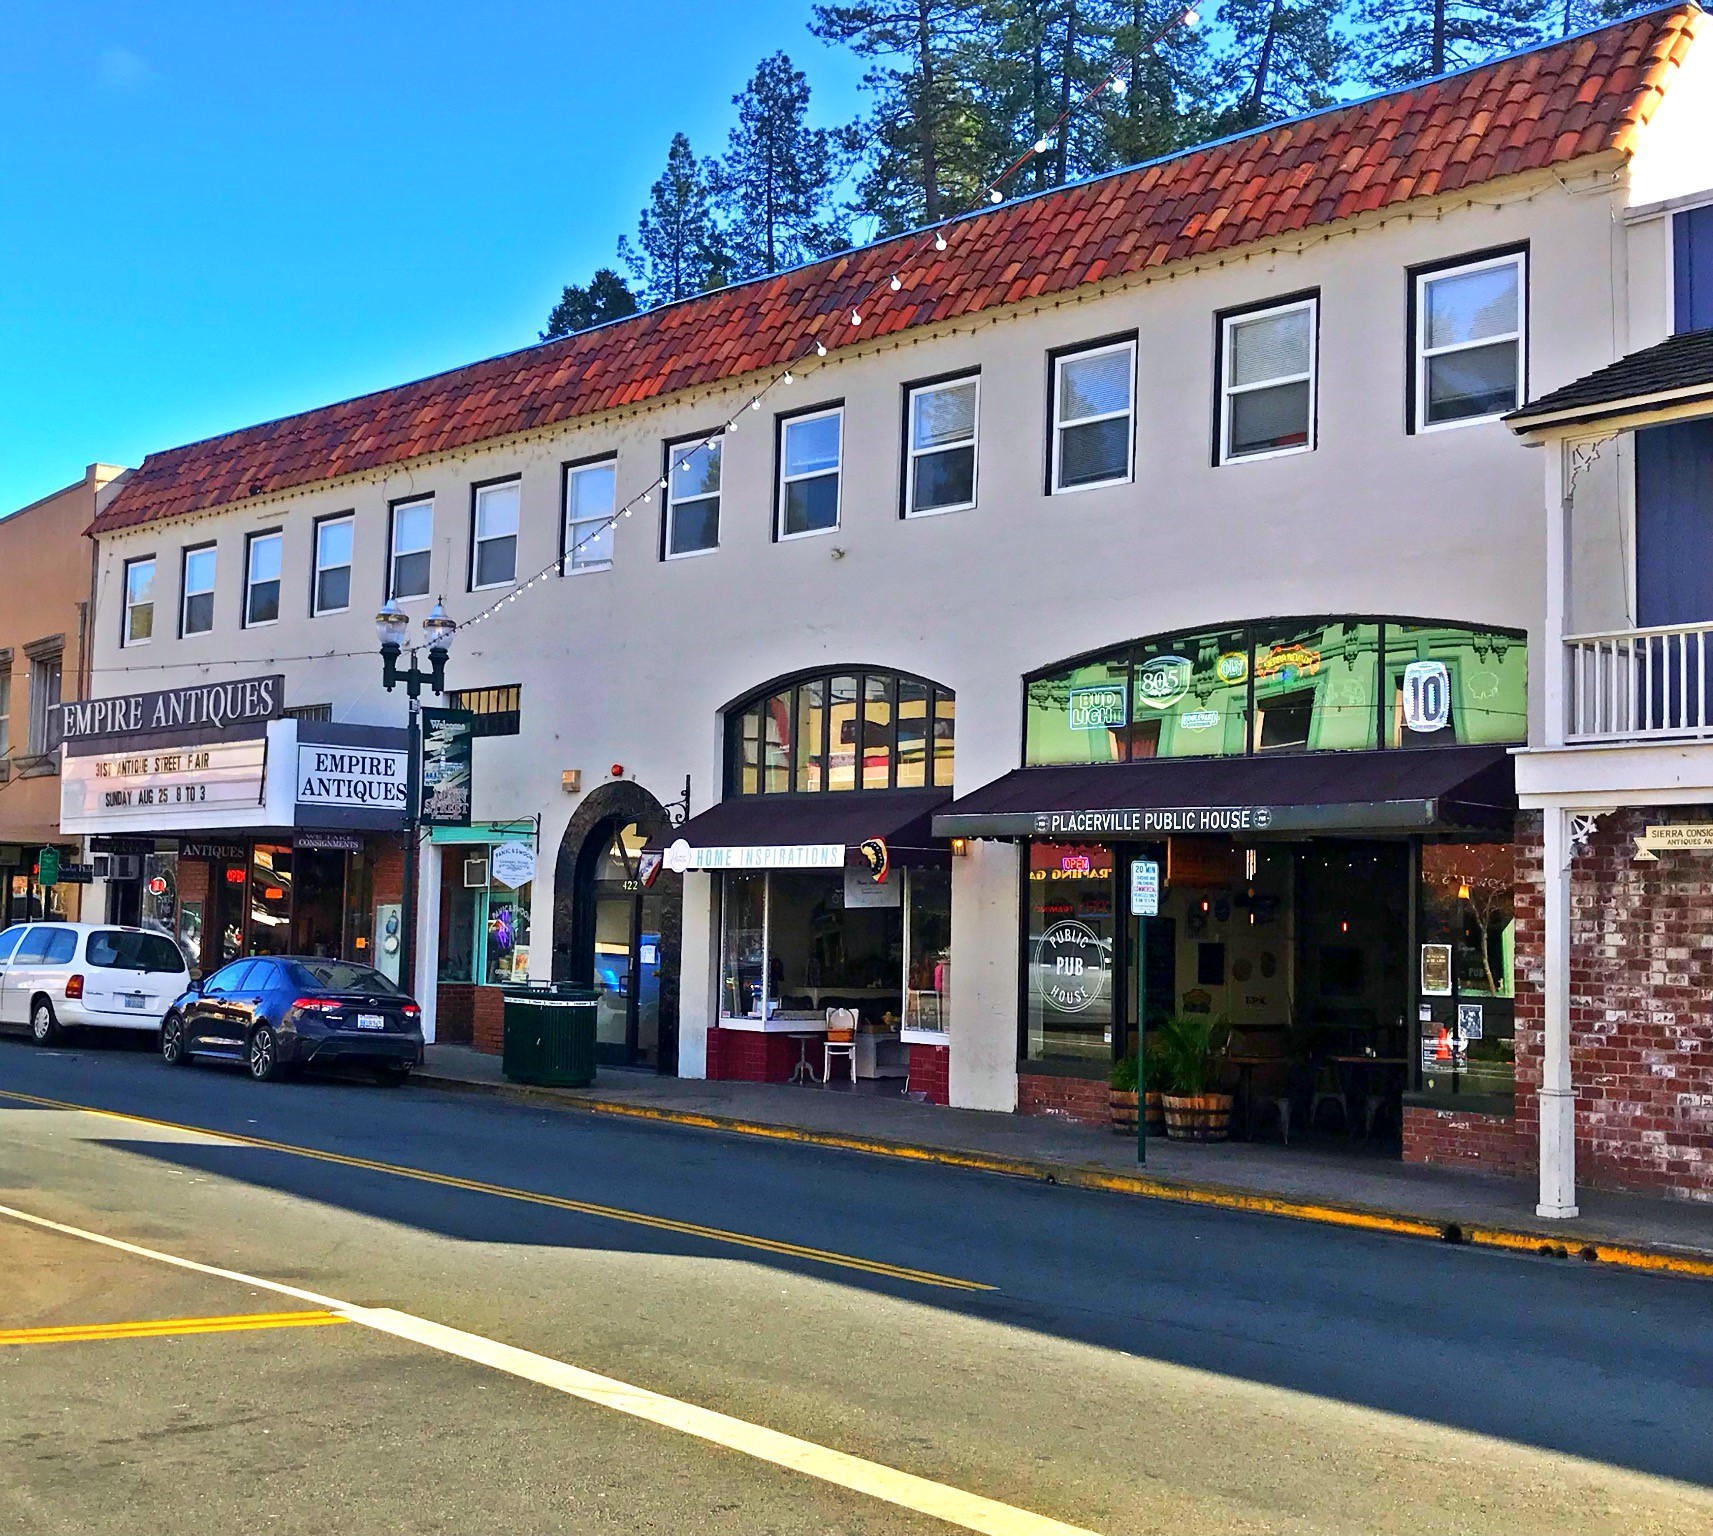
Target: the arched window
(846, 728)
(1281, 685)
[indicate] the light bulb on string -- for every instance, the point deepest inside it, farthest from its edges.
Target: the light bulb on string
(856, 317)
(995, 196)
(755, 404)
(939, 242)
(820, 349)
(786, 378)
(1040, 146)
(1192, 17)
(897, 282)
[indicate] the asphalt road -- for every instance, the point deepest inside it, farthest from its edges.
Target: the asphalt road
(1115, 1364)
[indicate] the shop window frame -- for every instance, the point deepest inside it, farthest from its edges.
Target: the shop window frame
(1419, 277)
(1226, 323)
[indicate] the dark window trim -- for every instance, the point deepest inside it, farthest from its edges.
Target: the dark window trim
(125, 599)
(392, 528)
(1095, 344)
(732, 713)
(1383, 623)
(569, 467)
(689, 439)
(491, 721)
(907, 391)
(244, 578)
(476, 488)
(1413, 275)
(1238, 312)
(349, 515)
(184, 554)
(780, 418)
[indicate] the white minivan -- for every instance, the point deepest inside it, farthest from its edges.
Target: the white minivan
(56, 976)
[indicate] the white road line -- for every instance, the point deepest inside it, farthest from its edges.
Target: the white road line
(952, 1505)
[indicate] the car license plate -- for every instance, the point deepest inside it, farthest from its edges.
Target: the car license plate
(137, 1000)
(371, 1021)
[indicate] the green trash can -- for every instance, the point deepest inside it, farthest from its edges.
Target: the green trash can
(549, 1036)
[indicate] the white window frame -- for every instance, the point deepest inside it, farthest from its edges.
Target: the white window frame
(674, 453)
(478, 539)
(1228, 326)
(5, 712)
(186, 592)
(801, 419)
(42, 737)
(317, 569)
(570, 564)
(912, 453)
(252, 543)
(393, 550)
(1059, 424)
(127, 640)
(1418, 340)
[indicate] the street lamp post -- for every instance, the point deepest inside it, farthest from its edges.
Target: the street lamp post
(392, 627)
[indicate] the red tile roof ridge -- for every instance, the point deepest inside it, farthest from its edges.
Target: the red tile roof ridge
(1533, 110)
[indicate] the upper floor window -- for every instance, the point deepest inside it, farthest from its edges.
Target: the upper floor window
(333, 550)
(810, 453)
(493, 540)
(842, 731)
(139, 601)
(46, 676)
(262, 578)
(6, 707)
(1267, 381)
(196, 610)
(590, 495)
(498, 710)
(1281, 685)
(941, 424)
(412, 539)
(1469, 322)
(1094, 425)
(1692, 269)
(693, 497)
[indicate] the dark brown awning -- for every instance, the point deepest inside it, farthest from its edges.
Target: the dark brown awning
(1408, 790)
(802, 830)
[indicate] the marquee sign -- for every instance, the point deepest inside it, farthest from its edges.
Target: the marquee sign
(200, 705)
(169, 782)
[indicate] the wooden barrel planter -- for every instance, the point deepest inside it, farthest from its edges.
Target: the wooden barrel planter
(1123, 1111)
(1198, 1117)
(1155, 1109)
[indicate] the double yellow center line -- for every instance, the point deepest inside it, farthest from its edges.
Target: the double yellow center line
(168, 1327)
(533, 1197)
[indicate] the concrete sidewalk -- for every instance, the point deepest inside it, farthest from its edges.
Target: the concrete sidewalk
(1346, 1187)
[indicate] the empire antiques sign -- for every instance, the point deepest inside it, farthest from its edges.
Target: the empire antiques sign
(351, 776)
(201, 705)
(163, 781)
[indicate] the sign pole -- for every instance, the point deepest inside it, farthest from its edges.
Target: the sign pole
(412, 836)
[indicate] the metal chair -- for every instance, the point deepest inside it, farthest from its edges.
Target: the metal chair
(840, 1043)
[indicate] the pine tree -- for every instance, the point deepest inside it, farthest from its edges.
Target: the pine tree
(1563, 17)
(1402, 41)
(679, 251)
(1166, 97)
(774, 187)
(926, 163)
(606, 298)
(1282, 58)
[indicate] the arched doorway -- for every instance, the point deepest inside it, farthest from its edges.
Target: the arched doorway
(611, 933)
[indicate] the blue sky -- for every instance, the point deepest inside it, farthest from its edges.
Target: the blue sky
(213, 214)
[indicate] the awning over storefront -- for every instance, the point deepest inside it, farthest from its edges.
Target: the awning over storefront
(1406, 790)
(807, 831)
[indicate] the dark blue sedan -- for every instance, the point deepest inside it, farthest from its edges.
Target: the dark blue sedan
(280, 1013)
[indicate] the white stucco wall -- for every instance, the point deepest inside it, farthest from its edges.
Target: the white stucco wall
(632, 665)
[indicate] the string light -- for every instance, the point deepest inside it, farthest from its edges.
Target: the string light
(896, 283)
(856, 318)
(1040, 146)
(939, 242)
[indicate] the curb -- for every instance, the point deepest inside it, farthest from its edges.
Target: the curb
(1545, 1244)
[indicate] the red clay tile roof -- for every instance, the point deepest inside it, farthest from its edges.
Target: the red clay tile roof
(1584, 96)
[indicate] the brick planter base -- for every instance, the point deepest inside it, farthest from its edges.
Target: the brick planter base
(930, 1066)
(466, 1014)
(1083, 1099)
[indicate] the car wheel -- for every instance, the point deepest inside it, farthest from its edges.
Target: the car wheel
(392, 1077)
(264, 1057)
(44, 1027)
(173, 1048)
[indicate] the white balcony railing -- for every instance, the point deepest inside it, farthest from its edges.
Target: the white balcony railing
(1638, 684)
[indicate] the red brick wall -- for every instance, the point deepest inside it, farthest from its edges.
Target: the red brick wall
(387, 853)
(1083, 1099)
(1455, 1139)
(466, 1014)
(744, 1056)
(1641, 1016)
(929, 1069)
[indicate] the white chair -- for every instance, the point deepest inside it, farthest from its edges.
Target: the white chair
(840, 1043)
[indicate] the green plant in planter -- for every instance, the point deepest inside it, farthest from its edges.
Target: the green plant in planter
(1122, 1077)
(1187, 1048)
(1159, 1069)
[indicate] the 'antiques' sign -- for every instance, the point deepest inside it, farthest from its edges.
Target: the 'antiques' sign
(168, 782)
(1682, 836)
(351, 776)
(214, 705)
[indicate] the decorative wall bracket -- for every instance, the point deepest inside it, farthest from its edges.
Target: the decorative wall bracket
(1579, 457)
(1581, 827)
